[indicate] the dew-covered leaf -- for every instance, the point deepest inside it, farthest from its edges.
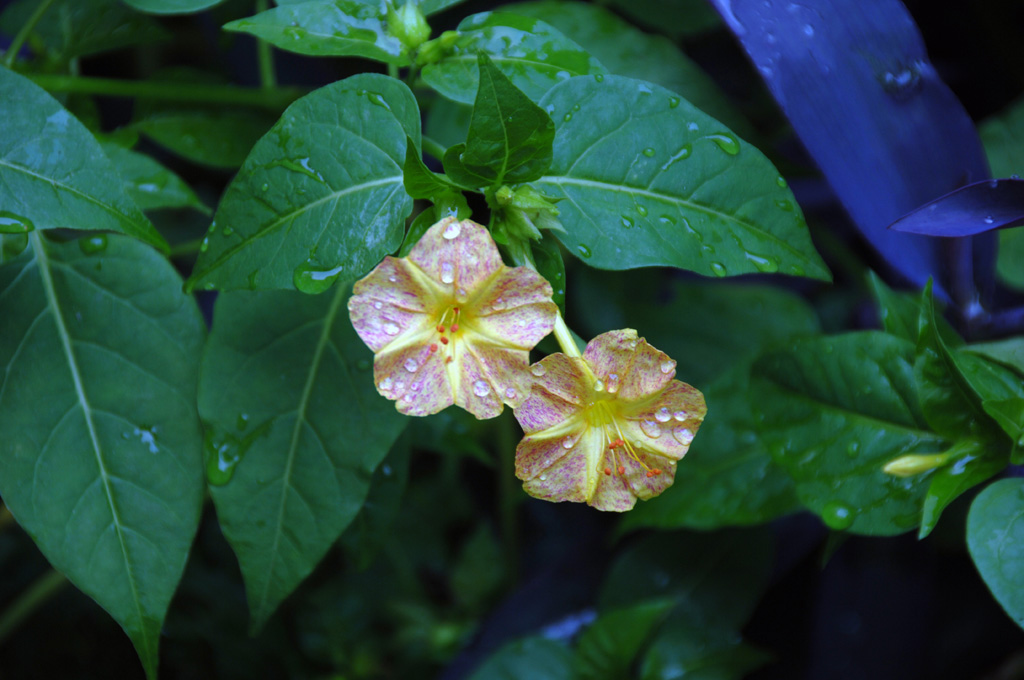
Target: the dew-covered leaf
(532, 54)
(53, 172)
(150, 184)
(973, 467)
(295, 431)
(650, 180)
(509, 138)
(327, 28)
(100, 446)
(833, 411)
(78, 28)
(321, 196)
(625, 50)
(995, 534)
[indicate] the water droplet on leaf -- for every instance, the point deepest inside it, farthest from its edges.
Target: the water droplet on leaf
(837, 515)
(91, 245)
(14, 224)
(313, 280)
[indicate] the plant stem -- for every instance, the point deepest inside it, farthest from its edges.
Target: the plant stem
(508, 497)
(564, 337)
(19, 40)
(41, 590)
(186, 249)
(268, 80)
(433, 147)
(393, 71)
(275, 99)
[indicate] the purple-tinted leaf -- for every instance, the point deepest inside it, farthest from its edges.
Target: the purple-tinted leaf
(855, 82)
(973, 209)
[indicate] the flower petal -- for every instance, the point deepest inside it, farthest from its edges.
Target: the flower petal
(628, 365)
(666, 425)
(558, 395)
(484, 375)
(569, 475)
(515, 308)
(389, 304)
(459, 255)
(415, 377)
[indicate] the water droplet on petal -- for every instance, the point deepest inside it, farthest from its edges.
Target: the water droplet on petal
(680, 415)
(377, 304)
(663, 415)
(411, 365)
(683, 435)
(481, 388)
(599, 386)
(568, 443)
(510, 393)
(416, 387)
(385, 384)
(613, 383)
(650, 428)
(391, 328)
(447, 272)
(392, 278)
(543, 478)
(461, 295)
(667, 366)
(538, 370)
(452, 230)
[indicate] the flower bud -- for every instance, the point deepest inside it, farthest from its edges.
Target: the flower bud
(408, 25)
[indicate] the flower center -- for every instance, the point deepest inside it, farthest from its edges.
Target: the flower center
(447, 329)
(616, 442)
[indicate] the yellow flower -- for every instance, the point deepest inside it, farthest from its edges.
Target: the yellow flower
(451, 324)
(606, 428)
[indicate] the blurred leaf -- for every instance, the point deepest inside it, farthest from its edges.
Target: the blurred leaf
(479, 570)
(218, 138)
(728, 478)
(898, 311)
(78, 28)
(172, 6)
(509, 138)
(834, 410)
(428, 7)
(53, 172)
(286, 391)
(321, 196)
(626, 51)
(973, 209)
(150, 184)
(453, 432)
(327, 28)
(716, 578)
(448, 122)
(973, 467)
(607, 648)
(100, 460)
(688, 17)
(1009, 352)
(995, 534)
(1003, 138)
(706, 201)
(535, 658)
(547, 254)
(684, 650)
(532, 54)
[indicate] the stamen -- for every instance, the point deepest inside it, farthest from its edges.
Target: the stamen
(433, 347)
(608, 471)
(622, 470)
(444, 340)
(440, 329)
(455, 327)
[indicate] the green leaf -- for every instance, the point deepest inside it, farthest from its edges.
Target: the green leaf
(53, 172)
(949, 404)
(535, 658)
(419, 180)
(296, 429)
(608, 647)
(78, 28)
(428, 7)
(995, 534)
(1009, 352)
(650, 180)
(219, 138)
(728, 478)
(683, 649)
(1009, 414)
(899, 312)
(372, 526)
(717, 578)
(151, 185)
(447, 121)
(172, 6)
(833, 411)
(327, 28)
(1003, 138)
(100, 447)
(627, 51)
(321, 195)
(532, 54)
(973, 467)
(479, 571)
(688, 17)
(509, 138)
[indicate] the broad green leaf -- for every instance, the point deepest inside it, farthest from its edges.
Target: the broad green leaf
(327, 28)
(650, 180)
(1009, 414)
(372, 526)
(11, 246)
(607, 648)
(419, 180)
(151, 185)
(535, 658)
(219, 138)
(682, 649)
(172, 6)
(1003, 138)
(833, 411)
(100, 447)
(949, 404)
(995, 538)
(970, 469)
(509, 138)
(728, 477)
(532, 54)
(675, 18)
(898, 312)
(627, 51)
(1009, 352)
(295, 431)
(321, 195)
(716, 578)
(78, 28)
(53, 172)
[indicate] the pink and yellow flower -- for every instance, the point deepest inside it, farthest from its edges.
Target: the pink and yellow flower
(451, 324)
(608, 427)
